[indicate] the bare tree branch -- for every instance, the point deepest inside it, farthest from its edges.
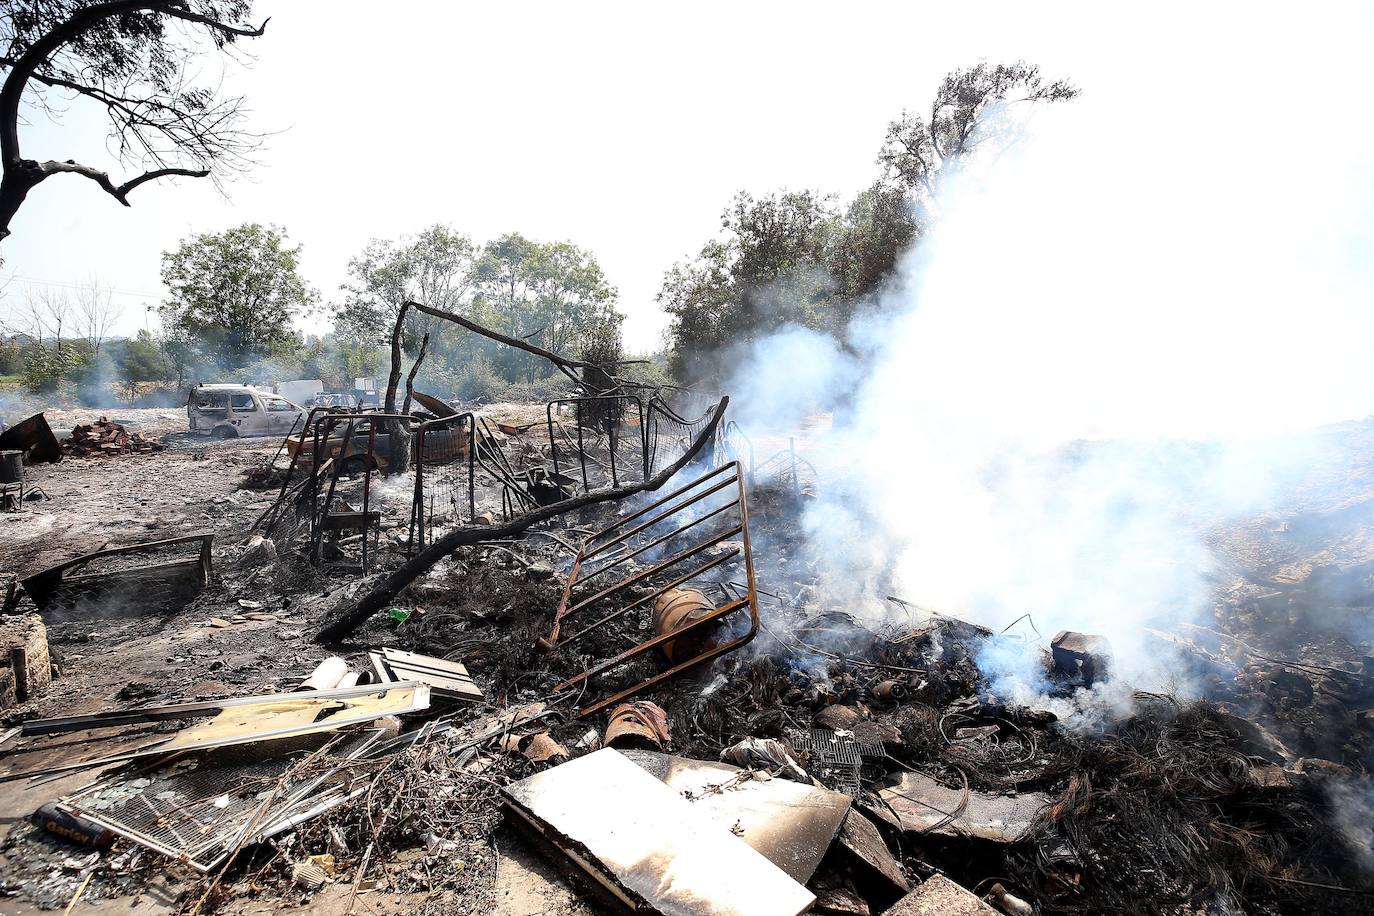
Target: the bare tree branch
(179, 11)
(120, 193)
(156, 114)
(565, 365)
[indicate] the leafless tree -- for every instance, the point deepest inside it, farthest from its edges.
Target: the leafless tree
(132, 57)
(95, 312)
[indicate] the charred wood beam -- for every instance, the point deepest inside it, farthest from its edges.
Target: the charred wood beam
(350, 618)
(564, 364)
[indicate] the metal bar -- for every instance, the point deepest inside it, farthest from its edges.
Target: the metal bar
(651, 507)
(417, 504)
(646, 573)
(553, 446)
(367, 489)
(582, 454)
(471, 423)
(654, 521)
(654, 594)
(669, 536)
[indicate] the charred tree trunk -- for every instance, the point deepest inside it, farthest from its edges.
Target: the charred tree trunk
(410, 379)
(393, 380)
(398, 436)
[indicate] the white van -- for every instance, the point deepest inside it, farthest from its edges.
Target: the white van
(230, 411)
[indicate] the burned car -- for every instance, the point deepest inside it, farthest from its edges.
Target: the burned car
(230, 411)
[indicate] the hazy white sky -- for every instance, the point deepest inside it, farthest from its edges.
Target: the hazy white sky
(626, 127)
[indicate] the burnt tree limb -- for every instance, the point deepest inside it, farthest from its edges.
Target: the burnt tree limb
(344, 622)
(414, 370)
(567, 365)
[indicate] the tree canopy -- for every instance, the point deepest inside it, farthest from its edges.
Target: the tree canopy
(796, 257)
(165, 118)
(971, 108)
(236, 292)
(552, 293)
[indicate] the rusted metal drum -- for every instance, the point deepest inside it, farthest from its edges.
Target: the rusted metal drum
(641, 725)
(11, 466)
(675, 609)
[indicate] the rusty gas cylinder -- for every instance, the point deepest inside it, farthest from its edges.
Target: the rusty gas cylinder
(677, 608)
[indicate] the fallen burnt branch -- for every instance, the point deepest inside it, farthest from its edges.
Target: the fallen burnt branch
(348, 620)
(564, 364)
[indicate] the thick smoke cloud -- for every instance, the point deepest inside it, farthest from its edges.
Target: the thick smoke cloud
(1096, 355)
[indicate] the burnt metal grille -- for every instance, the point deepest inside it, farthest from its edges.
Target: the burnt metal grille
(669, 433)
(837, 759)
(445, 483)
(608, 441)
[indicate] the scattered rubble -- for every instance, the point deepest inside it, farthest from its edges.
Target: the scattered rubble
(767, 747)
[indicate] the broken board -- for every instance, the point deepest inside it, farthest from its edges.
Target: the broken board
(445, 678)
(648, 847)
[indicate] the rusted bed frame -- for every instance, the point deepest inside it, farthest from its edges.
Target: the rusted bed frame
(623, 532)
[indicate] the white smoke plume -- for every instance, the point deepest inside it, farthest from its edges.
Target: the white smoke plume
(1090, 361)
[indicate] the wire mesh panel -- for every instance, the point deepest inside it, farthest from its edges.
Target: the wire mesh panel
(197, 808)
(604, 440)
(153, 575)
(287, 522)
(445, 478)
(669, 433)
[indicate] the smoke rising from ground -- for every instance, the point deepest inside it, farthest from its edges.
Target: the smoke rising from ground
(1093, 358)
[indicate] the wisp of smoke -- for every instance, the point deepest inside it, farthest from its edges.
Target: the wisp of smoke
(1089, 361)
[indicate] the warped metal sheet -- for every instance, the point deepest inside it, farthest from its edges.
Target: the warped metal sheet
(647, 846)
(789, 823)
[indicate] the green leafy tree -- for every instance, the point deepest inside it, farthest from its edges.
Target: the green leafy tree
(11, 357)
(143, 360)
(549, 293)
(793, 258)
(181, 353)
(972, 108)
(432, 267)
(769, 269)
(235, 291)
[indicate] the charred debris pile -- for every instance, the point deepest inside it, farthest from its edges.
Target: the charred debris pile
(569, 629)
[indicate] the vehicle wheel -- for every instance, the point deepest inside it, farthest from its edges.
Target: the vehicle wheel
(225, 432)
